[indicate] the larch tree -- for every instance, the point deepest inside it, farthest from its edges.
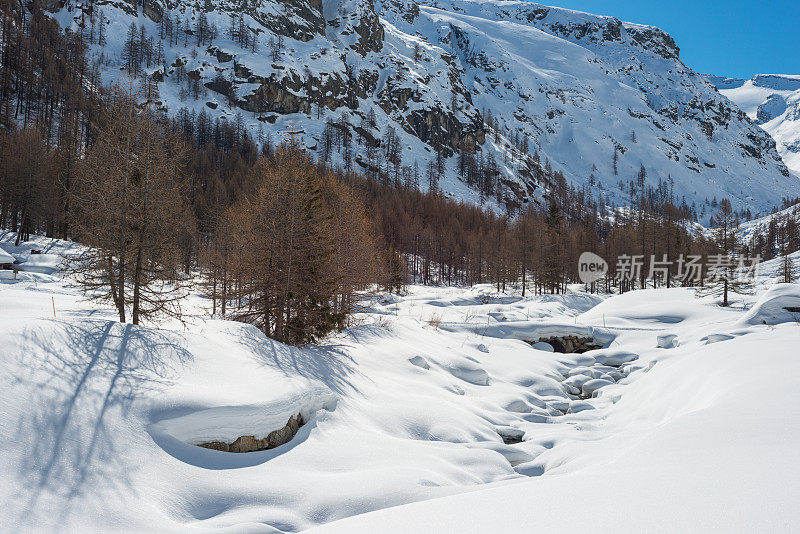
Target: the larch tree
(128, 208)
(287, 251)
(553, 261)
(723, 271)
(355, 260)
(786, 270)
(29, 177)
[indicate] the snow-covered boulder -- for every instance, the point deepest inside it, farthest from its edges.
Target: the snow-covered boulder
(420, 362)
(613, 357)
(42, 263)
(779, 304)
(226, 424)
(470, 373)
(667, 341)
(577, 381)
(589, 388)
(716, 338)
(586, 371)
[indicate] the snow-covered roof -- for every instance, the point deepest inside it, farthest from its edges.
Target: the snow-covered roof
(5, 257)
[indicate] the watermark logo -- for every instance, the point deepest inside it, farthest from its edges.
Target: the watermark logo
(687, 268)
(591, 267)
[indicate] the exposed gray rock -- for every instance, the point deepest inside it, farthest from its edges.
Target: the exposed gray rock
(251, 443)
(568, 344)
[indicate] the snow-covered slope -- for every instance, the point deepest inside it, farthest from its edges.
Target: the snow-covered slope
(760, 225)
(433, 397)
(580, 91)
(693, 451)
(773, 102)
(581, 85)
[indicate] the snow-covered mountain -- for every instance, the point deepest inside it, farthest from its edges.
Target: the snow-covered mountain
(773, 102)
(513, 85)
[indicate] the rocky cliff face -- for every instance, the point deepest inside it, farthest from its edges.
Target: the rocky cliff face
(511, 86)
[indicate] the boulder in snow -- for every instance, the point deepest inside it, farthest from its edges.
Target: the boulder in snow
(251, 427)
(6, 259)
(716, 338)
(472, 374)
(614, 357)
(667, 341)
(420, 362)
(590, 388)
(577, 381)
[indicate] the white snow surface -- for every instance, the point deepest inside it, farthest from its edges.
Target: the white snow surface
(411, 427)
(5, 257)
(779, 304)
(773, 101)
(226, 423)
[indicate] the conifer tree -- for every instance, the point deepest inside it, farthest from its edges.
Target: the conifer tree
(786, 270)
(287, 249)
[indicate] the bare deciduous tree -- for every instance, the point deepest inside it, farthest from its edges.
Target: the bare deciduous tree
(129, 210)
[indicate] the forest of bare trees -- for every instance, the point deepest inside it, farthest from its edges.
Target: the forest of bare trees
(290, 256)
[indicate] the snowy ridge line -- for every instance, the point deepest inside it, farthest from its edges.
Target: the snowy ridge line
(773, 102)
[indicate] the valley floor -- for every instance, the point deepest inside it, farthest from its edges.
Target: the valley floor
(433, 414)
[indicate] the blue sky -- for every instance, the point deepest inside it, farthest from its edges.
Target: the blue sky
(733, 38)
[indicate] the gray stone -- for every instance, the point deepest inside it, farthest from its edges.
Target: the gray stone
(251, 443)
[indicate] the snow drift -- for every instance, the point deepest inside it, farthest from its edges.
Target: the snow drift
(462, 428)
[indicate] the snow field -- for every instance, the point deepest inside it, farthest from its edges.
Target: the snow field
(492, 434)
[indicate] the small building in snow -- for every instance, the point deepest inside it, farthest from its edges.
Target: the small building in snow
(6, 260)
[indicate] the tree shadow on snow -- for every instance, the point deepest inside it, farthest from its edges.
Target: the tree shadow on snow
(329, 364)
(79, 373)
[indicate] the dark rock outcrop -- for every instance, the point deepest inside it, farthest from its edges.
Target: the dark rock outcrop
(250, 443)
(299, 19)
(569, 344)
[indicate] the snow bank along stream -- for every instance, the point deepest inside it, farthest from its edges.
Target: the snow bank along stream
(251, 428)
(105, 423)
